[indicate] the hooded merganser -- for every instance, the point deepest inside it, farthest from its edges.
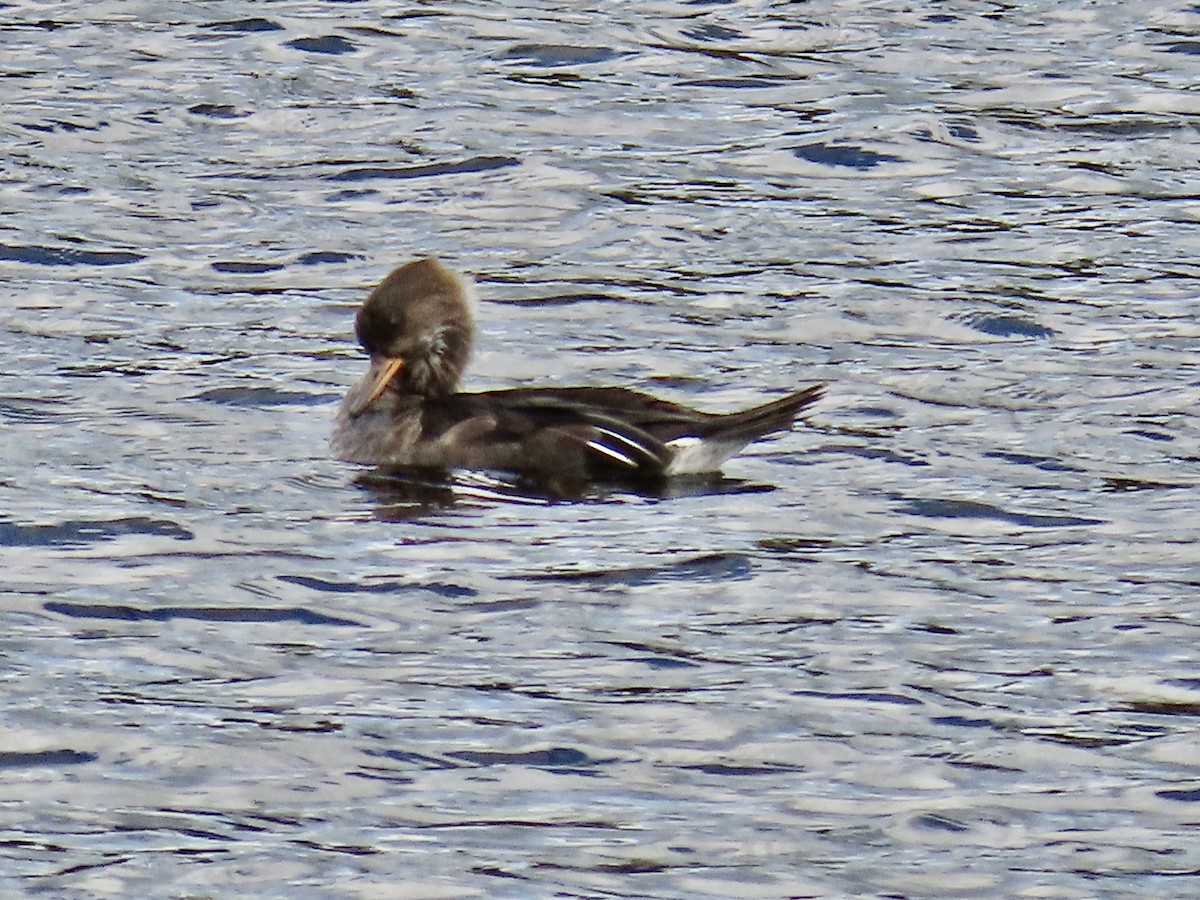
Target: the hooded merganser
(407, 411)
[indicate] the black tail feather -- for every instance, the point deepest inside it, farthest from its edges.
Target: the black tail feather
(777, 415)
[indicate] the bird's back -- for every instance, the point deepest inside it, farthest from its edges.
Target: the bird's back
(596, 432)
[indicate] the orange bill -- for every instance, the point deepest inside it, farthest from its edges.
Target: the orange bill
(388, 367)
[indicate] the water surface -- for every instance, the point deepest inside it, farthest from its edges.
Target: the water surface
(950, 652)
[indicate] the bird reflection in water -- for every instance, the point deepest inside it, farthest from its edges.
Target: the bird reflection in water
(404, 494)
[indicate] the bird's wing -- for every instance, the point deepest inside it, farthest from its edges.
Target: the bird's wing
(547, 430)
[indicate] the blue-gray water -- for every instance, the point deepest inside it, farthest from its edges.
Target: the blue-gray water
(953, 653)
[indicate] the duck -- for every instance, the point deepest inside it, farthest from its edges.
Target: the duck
(408, 411)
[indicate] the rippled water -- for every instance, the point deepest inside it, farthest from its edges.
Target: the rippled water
(953, 652)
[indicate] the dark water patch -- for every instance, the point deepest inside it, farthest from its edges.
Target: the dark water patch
(1164, 707)
(794, 544)
(1182, 795)
(236, 267)
(320, 257)
(963, 132)
(635, 694)
(844, 156)
(1045, 463)
(962, 722)
(272, 818)
(50, 126)
(33, 759)
(1086, 741)
(875, 412)
(1088, 165)
(400, 92)
(787, 625)
(30, 413)
(726, 770)
(624, 867)
(556, 78)
(441, 589)
(199, 834)
(344, 849)
(709, 567)
(1192, 684)
(381, 774)
(341, 196)
(125, 613)
(980, 766)
(216, 111)
(401, 496)
(419, 760)
(1008, 326)
(934, 822)
(630, 196)
(862, 697)
(244, 26)
(550, 55)
(971, 509)
(1150, 435)
(372, 31)
(711, 31)
(320, 726)
(1119, 125)
(425, 170)
(344, 587)
(237, 822)
(87, 531)
(553, 758)
(1069, 620)
(38, 24)
(260, 397)
(930, 628)
(677, 382)
(66, 256)
(328, 45)
(108, 861)
(102, 370)
(662, 657)
(747, 82)
(662, 663)
(554, 300)
(1189, 48)
(449, 591)
(496, 872)
(508, 824)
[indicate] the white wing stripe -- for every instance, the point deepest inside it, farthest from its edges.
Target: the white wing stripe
(638, 447)
(614, 454)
